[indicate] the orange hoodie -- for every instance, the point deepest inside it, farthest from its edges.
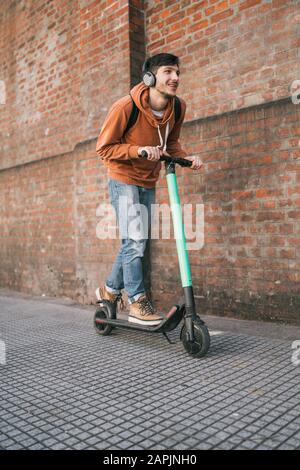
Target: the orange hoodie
(120, 152)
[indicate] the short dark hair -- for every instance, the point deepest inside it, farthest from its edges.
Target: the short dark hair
(159, 60)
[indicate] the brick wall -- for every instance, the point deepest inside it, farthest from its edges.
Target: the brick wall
(235, 53)
(58, 60)
(48, 226)
(64, 63)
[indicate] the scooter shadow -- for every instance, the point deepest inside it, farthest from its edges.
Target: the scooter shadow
(224, 344)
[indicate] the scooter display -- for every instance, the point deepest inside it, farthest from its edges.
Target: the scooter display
(194, 333)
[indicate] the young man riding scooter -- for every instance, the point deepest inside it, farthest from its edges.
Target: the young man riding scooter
(132, 179)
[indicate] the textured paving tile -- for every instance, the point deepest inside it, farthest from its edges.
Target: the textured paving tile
(65, 387)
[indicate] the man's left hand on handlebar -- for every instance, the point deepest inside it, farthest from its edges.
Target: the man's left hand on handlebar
(197, 162)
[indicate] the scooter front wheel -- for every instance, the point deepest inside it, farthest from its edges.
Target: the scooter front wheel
(201, 343)
(102, 328)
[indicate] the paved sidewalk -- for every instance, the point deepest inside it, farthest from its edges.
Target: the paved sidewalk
(65, 387)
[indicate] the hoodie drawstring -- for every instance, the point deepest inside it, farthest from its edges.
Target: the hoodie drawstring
(162, 144)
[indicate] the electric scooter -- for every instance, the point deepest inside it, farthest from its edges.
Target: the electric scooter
(194, 333)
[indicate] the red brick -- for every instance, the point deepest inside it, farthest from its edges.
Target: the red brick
(249, 4)
(294, 190)
(199, 25)
(272, 215)
(286, 229)
(209, 11)
(269, 205)
(294, 214)
(242, 194)
(261, 193)
(222, 5)
(290, 253)
(294, 242)
(221, 16)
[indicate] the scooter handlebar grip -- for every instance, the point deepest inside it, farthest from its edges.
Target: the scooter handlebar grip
(179, 161)
(144, 154)
(183, 162)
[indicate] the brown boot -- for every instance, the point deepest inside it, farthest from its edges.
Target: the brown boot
(103, 294)
(142, 312)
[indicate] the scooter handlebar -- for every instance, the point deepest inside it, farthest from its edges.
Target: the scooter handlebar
(165, 158)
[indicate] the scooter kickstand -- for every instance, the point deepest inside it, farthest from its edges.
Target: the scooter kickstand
(166, 336)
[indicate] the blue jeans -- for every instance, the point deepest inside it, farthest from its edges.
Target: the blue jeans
(132, 205)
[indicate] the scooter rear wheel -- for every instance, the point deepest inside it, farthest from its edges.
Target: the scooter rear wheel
(200, 346)
(101, 328)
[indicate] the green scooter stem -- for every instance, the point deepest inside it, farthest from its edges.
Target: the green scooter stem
(184, 265)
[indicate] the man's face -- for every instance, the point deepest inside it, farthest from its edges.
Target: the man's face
(167, 80)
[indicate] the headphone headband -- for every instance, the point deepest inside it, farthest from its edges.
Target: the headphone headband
(145, 66)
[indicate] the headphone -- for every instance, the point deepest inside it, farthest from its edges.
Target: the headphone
(149, 78)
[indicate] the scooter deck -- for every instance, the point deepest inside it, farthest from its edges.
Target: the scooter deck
(173, 318)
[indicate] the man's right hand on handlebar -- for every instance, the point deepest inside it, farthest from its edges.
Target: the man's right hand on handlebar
(154, 153)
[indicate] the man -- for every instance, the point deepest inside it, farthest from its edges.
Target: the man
(132, 178)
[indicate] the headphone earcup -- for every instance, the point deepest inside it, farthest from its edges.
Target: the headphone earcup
(149, 79)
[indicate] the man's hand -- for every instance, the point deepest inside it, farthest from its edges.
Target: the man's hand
(197, 162)
(154, 153)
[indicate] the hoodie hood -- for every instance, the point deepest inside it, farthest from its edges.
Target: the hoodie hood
(140, 95)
